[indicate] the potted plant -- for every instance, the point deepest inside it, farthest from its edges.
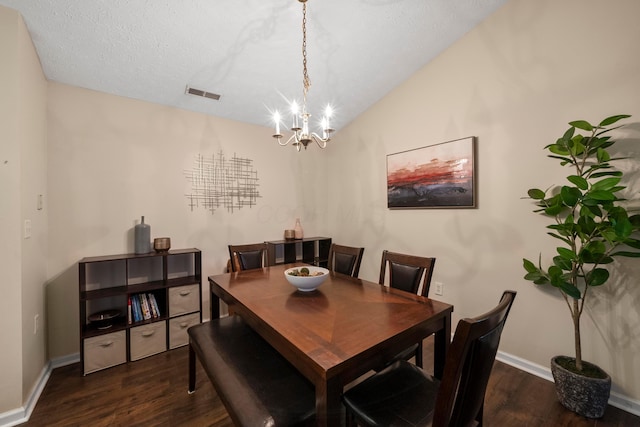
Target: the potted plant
(593, 228)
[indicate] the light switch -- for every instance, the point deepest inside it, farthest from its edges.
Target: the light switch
(27, 228)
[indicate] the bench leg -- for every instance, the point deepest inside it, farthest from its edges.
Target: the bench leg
(192, 369)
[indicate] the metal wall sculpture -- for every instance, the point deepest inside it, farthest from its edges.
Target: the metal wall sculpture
(218, 182)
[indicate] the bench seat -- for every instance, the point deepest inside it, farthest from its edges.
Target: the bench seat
(256, 384)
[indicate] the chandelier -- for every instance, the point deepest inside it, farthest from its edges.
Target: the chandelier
(301, 136)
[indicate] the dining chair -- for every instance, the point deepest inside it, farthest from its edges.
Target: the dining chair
(409, 273)
(406, 272)
(345, 259)
(405, 395)
(247, 257)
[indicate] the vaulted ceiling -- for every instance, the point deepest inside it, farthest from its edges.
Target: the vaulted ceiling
(247, 51)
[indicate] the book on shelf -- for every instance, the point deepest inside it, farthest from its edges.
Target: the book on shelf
(137, 315)
(129, 314)
(152, 312)
(143, 306)
(144, 303)
(154, 305)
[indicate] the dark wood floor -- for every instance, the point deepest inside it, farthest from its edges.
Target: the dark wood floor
(153, 392)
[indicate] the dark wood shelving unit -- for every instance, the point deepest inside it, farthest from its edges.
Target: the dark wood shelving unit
(108, 282)
(310, 250)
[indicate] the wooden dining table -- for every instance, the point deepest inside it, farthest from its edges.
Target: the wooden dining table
(338, 332)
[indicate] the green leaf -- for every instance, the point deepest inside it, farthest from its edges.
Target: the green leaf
(559, 150)
(603, 156)
(577, 147)
(578, 181)
(596, 256)
(582, 124)
(586, 223)
(634, 243)
(568, 134)
(555, 273)
(611, 120)
(553, 210)
(536, 194)
(596, 247)
(605, 260)
(597, 277)
(570, 195)
(627, 254)
(562, 263)
(565, 160)
(532, 276)
(601, 195)
(593, 209)
(588, 201)
(570, 290)
(623, 228)
(605, 184)
(529, 266)
(564, 239)
(567, 253)
(607, 173)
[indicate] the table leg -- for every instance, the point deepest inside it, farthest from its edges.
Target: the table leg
(329, 410)
(192, 369)
(441, 347)
(214, 303)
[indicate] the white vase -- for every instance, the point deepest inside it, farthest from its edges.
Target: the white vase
(298, 232)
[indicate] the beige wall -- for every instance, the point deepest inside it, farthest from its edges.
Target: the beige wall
(23, 173)
(514, 83)
(10, 253)
(112, 160)
(32, 106)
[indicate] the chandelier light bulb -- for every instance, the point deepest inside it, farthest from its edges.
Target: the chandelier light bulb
(294, 113)
(276, 118)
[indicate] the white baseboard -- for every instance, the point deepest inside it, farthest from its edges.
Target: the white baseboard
(22, 414)
(69, 359)
(616, 398)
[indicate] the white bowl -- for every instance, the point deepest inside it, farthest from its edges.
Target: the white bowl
(307, 283)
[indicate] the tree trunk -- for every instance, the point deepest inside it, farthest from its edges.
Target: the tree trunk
(576, 332)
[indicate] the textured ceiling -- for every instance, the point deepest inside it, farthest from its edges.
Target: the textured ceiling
(248, 51)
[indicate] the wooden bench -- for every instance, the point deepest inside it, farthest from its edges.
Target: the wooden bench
(256, 384)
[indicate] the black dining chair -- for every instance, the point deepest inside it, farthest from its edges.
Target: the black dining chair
(345, 259)
(409, 273)
(247, 257)
(405, 395)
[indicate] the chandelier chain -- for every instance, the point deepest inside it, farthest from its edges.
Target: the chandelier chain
(301, 135)
(305, 77)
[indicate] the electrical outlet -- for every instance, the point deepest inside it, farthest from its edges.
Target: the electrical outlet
(36, 324)
(439, 288)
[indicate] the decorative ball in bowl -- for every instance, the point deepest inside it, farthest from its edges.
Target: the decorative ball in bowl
(307, 278)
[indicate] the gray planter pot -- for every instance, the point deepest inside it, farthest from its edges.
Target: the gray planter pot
(581, 394)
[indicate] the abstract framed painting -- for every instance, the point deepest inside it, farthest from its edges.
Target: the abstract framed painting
(437, 176)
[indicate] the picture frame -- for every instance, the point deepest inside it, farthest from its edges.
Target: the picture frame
(436, 176)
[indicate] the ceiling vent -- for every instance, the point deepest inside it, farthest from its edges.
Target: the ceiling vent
(202, 93)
